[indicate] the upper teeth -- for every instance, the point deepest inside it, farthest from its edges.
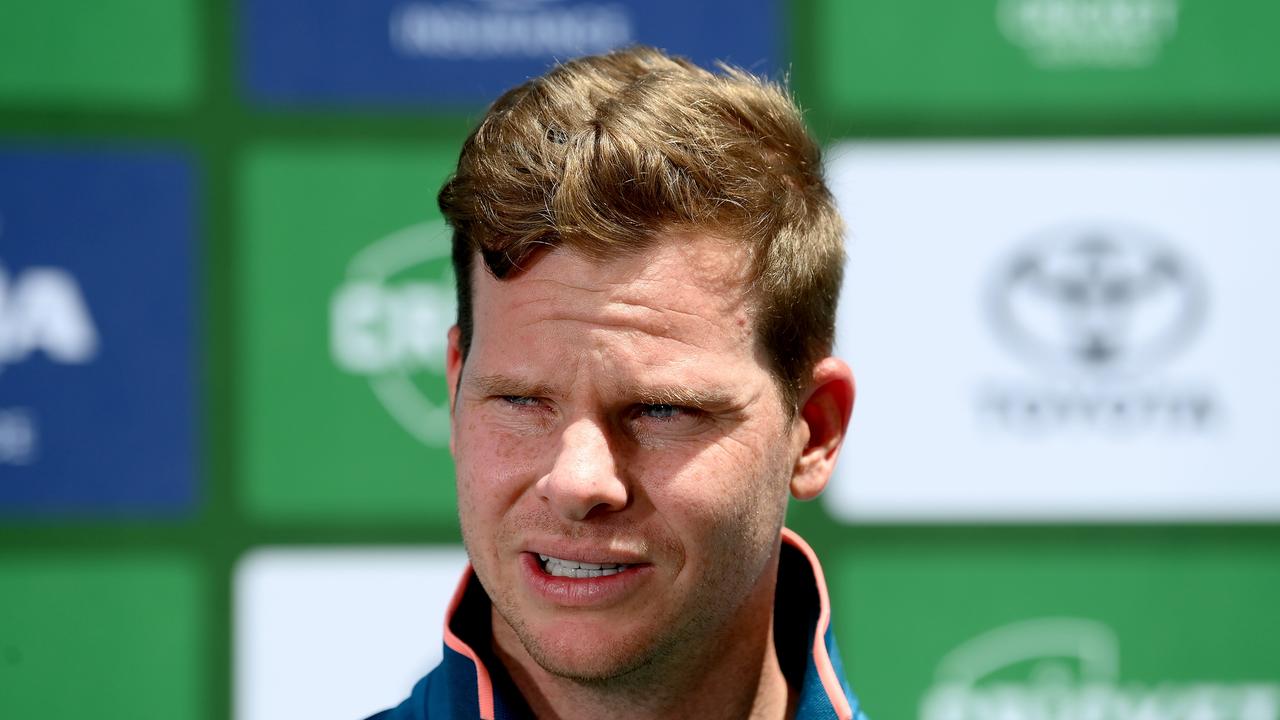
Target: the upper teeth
(575, 569)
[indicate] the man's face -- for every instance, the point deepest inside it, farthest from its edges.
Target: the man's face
(621, 415)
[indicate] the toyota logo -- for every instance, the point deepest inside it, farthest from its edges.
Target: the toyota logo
(1098, 301)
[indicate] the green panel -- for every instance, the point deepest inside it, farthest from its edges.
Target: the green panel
(345, 296)
(1093, 62)
(109, 638)
(964, 630)
(118, 52)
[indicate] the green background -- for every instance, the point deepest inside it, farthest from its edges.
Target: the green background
(77, 53)
(124, 634)
(925, 66)
(1186, 607)
(313, 440)
(140, 613)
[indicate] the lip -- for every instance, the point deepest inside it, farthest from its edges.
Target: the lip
(582, 552)
(596, 592)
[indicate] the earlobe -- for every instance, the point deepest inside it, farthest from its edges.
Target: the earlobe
(825, 413)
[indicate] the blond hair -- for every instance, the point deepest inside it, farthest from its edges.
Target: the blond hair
(603, 153)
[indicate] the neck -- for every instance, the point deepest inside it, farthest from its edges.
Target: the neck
(735, 674)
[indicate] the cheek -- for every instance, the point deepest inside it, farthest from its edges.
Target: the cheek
(726, 517)
(487, 456)
(492, 478)
(719, 495)
(492, 472)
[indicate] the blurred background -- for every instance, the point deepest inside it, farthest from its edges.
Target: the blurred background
(224, 484)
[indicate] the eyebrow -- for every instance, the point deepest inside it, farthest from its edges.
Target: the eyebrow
(702, 398)
(508, 386)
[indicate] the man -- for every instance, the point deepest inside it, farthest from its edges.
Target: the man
(648, 262)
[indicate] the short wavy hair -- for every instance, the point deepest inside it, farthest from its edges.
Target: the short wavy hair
(603, 153)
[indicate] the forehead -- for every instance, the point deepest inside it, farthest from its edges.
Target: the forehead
(682, 284)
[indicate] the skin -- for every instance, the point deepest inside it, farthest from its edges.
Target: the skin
(623, 411)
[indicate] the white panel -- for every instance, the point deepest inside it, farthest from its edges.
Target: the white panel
(337, 633)
(1061, 330)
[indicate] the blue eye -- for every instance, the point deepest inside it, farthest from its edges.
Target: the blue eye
(520, 400)
(661, 412)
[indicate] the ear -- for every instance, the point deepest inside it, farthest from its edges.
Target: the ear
(453, 371)
(824, 412)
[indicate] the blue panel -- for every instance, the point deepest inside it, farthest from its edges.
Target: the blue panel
(97, 411)
(465, 52)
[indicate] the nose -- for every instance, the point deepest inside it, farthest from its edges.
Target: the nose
(583, 481)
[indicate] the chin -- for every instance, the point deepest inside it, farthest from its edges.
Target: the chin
(589, 653)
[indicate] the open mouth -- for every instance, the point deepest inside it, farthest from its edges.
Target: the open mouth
(575, 569)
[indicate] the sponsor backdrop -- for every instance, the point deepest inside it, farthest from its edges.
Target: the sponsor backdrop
(225, 489)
